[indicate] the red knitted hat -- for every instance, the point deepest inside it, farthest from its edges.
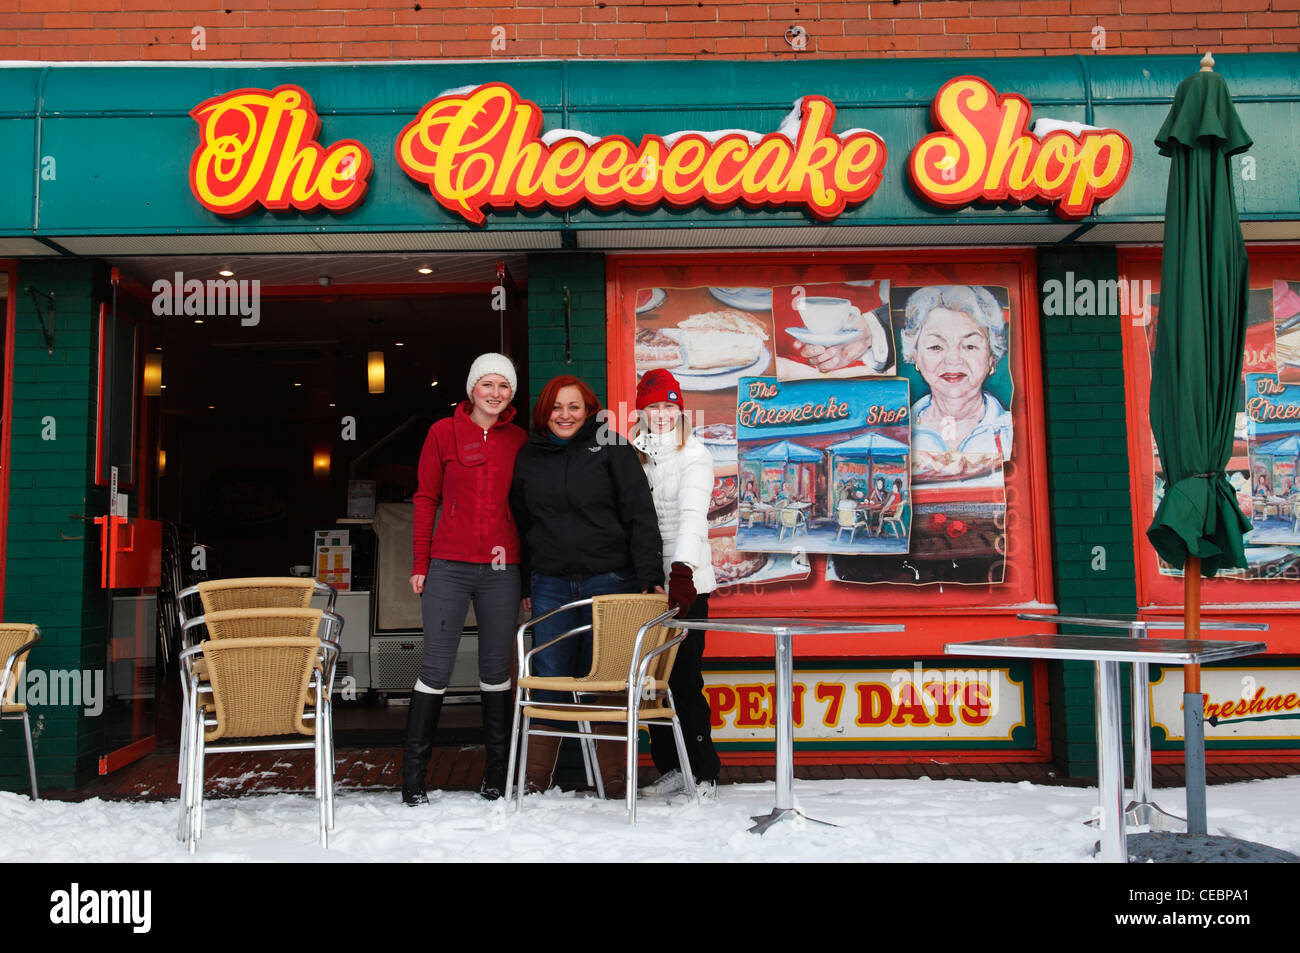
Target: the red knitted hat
(658, 385)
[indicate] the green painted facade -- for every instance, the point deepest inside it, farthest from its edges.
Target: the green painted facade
(51, 572)
(1087, 462)
(106, 150)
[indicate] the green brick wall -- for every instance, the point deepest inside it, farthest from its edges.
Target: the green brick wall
(51, 552)
(1088, 475)
(584, 276)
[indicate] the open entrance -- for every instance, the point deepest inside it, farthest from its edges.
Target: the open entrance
(280, 425)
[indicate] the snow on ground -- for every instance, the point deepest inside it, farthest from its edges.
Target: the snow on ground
(882, 820)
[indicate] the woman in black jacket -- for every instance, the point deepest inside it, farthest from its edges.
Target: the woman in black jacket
(588, 527)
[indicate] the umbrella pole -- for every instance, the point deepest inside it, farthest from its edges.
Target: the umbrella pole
(1193, 703)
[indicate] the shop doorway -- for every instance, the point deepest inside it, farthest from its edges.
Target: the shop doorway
(283, 439)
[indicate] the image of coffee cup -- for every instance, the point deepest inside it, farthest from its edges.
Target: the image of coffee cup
(828, 316)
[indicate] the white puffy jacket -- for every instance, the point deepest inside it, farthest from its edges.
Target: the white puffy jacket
(681, 482)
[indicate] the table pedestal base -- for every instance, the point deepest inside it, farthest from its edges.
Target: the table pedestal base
(1148, 814)
(765, 821)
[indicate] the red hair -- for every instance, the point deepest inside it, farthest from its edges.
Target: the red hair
(546, 400)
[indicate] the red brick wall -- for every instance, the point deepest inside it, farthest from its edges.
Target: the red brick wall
(675, 29)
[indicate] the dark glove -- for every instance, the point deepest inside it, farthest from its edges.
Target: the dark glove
(681, 587)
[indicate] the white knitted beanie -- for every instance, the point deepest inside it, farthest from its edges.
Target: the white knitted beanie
(491, 363)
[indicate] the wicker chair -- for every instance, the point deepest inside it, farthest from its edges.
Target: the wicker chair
(848, 518)
(196, 690)
(16, 640)
(261, 688)
(253, 592)
(792, 519)
(256, 592)
(632, 658)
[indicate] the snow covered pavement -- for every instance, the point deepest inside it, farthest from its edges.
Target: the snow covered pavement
(879, 820)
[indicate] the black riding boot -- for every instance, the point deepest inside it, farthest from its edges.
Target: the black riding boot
(497, 712)
(421, 723)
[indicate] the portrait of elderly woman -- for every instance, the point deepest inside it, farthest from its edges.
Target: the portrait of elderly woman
(955, 335)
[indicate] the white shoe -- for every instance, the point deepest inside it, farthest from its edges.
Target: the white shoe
(708, 790)
(667, 785)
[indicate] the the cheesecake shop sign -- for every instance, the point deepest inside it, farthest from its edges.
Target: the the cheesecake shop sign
(483, 149)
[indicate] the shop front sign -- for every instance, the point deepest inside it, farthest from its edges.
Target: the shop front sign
(484, 149)
(983, 151)
(259, 148)
(1241, 704)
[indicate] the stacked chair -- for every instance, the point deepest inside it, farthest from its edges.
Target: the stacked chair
(16, 640)
(265, 671)
(632, 657)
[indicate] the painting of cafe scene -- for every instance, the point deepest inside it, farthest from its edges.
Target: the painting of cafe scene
(856, 414)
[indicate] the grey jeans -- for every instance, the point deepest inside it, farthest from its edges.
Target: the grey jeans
(448, 588)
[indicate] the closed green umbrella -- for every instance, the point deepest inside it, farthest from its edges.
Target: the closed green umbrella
(1196, 369)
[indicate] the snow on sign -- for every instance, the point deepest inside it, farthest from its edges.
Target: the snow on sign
(1244, 704)
(904, 704)
(484, 148)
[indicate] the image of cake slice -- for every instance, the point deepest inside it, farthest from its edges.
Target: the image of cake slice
(655, 349)
(721, 339)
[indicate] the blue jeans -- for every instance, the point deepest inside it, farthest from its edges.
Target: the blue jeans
(572, 657)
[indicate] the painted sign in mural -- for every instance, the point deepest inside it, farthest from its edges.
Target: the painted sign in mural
(863, 418)
(823, 465)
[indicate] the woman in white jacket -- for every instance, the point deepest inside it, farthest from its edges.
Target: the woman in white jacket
(680, 471)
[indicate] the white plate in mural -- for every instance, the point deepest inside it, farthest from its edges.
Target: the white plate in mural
(656, 298)
(823, 340)
(746, 299)
(720, 378)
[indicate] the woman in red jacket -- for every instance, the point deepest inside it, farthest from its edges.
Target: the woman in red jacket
(466, 465)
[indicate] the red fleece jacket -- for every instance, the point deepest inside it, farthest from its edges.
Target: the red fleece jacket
(467, 470)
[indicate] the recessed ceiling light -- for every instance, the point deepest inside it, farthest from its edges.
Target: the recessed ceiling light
(163, 386)
(425, 270)
(399, 344)
(212, 406)
(159, 348)
(434, 382)
(226, 273)
(198, 320)
(297, 383)
(332, 405)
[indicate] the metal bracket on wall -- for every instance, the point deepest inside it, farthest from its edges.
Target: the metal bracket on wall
(75, 516)
(47, 333)
(568, 327)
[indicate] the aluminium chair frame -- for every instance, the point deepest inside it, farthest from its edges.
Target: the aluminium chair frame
(10, 664)
(187, 623)
(192, 709)
(322, 744)
(637, 675)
